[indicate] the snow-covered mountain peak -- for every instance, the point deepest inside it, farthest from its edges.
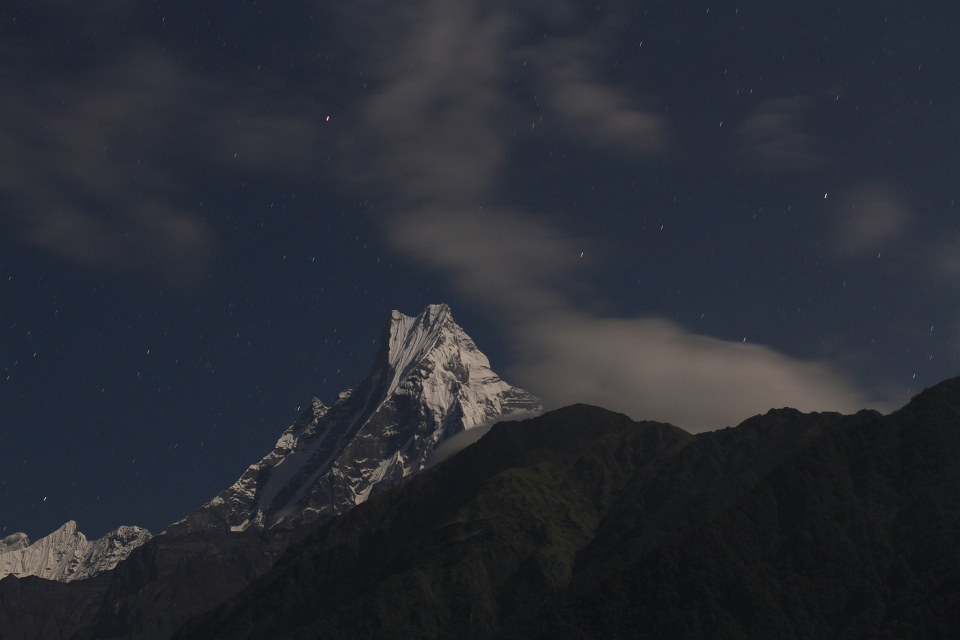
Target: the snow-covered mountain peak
(430, 356)
(411, 338)
(433, 315)
(428, 381)
(67, 530)
(66, 554)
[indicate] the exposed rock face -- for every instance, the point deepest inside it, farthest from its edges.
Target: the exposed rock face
(429, 381)
(66, 554)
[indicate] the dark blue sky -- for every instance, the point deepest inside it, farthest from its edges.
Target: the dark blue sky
(688, 214)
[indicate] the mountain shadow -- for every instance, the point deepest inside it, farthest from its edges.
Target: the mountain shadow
(585, 524)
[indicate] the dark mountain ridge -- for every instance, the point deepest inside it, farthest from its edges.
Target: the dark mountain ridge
(161, 585)
(504, 516)
(583, 523)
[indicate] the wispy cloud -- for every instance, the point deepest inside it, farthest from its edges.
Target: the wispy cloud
(591, 111)
(437, 137)
(511, 261)
(651, 368)
(944, 256)
(98, 165)
(870, 217)
(772, 137)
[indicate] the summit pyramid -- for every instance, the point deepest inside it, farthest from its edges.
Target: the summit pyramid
(429, 382)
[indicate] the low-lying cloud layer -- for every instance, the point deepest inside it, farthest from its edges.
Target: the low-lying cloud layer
(653, 369)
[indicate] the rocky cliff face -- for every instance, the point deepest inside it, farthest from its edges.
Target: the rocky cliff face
(429, 381)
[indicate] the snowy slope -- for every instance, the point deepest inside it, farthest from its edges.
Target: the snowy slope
(66, 554)
(429, 381)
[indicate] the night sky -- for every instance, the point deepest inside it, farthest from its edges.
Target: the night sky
(691, 214)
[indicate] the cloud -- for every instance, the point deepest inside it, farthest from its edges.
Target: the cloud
(460, 441)
(455, 444)
(597, 113)
(650, 368)
(440, 124)
(436, 139)
(945, 258)
(97, 165)
(513, 262)
(871, 217)
(431, 131)
(772, 138)
(174, 241)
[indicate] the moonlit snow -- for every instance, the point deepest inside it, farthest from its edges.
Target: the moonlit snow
(429, 382)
